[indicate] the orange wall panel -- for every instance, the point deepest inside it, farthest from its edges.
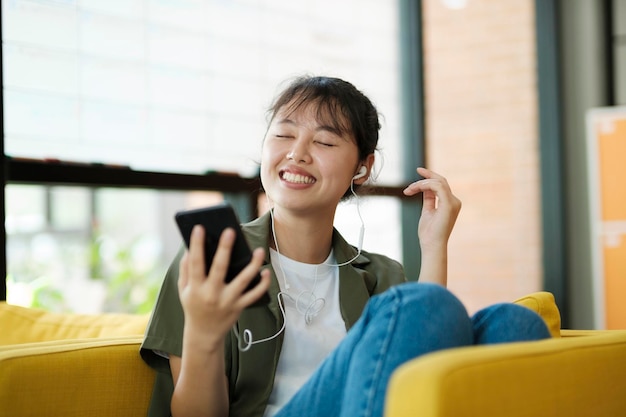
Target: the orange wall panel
(612, 154)
(607, 188)
(615, 285)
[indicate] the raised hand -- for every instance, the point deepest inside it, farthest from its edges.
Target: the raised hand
(212, 306)
(439, 213)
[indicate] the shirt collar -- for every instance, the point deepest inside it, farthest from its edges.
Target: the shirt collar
(258, 231)
(353, 293)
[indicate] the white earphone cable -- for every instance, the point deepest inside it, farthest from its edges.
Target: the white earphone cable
(315, 304)
(361, 230)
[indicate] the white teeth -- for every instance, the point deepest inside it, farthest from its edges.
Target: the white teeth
(297, 178)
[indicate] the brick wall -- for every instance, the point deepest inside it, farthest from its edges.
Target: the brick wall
(481, 116)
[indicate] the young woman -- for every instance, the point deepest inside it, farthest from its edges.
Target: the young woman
(340, 319)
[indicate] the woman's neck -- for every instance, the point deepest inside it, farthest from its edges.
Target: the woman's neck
(303, 238)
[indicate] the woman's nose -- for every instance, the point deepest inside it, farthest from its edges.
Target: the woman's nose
(299, 151)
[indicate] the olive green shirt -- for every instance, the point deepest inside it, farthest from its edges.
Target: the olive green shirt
(251, 373)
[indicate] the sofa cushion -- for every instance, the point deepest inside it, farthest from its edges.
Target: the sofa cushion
(583, 375)
(543, 303)
(27, 325)
(102, 377)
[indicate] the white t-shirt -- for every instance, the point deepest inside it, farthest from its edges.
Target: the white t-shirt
(311, 294)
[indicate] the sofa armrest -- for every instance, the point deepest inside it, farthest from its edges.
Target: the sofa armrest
(573, 376)
(85, 377)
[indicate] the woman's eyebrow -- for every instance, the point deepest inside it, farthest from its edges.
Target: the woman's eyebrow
(328, 128)
(321, 128)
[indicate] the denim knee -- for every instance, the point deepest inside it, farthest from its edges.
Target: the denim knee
(429, 312)
(507, 322)
(410, 291)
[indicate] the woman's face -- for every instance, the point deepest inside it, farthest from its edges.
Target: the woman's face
(306, 164)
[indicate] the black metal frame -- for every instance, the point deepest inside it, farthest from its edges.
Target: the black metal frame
(413, 123)
(609, 42)
(551, 153)
(3, 175)
(244, 190)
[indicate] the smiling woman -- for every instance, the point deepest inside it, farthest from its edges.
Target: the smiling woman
(339, 319)
(309, 123)
(312, 149)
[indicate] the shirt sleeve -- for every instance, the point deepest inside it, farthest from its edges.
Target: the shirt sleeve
(386, 273)
(165, 328)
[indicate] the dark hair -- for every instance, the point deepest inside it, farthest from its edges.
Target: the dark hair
(334, 96)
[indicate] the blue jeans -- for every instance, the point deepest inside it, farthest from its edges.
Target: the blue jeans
(403, 323)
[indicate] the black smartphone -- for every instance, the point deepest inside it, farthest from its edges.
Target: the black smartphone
(215, 219)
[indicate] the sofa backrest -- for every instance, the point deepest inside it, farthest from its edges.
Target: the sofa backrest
(27, 325)
(543, 303)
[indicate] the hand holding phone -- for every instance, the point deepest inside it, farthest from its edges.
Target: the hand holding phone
(215, 219)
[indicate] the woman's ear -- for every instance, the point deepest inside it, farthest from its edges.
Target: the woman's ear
(365, 170)
(362, 172)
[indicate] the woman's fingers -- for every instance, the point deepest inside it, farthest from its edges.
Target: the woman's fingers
(221, 259)
(183, 274)
(252, 295)
(193, 268)
(196, 264)
(421, 185)
(440, 208)
(433, 186)
(237, 287)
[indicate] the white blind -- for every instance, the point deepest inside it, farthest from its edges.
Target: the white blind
(182, 85)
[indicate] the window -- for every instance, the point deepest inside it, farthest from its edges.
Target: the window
(134, 83)
(164, 86)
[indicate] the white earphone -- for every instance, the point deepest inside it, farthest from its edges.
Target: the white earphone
(362, 172)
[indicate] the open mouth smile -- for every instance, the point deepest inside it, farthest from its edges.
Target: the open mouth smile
(296, 178)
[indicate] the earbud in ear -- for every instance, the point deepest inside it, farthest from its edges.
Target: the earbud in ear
(362, 172)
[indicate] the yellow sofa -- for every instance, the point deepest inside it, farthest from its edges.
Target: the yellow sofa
(80, 365)
(72, 365)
